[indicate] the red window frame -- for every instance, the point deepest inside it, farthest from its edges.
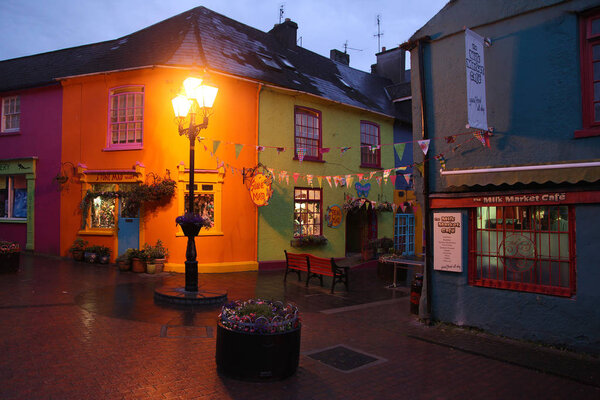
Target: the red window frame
(307, 125)
(370, 135)
(125, 118)
(590, 38)
(299, 224)
(518, 249)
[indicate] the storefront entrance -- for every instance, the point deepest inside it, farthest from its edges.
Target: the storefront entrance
(361, 229)
(129, 230)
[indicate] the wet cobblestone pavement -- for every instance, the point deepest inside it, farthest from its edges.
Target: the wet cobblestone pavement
(78, 331)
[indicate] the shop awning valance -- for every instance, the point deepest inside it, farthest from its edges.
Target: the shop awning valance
(567, 172)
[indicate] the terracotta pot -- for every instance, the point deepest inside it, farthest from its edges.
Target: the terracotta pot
(160, 265)
(124, 265)
(104, 259)
(77, 255)
(150, 267)
(138, 265)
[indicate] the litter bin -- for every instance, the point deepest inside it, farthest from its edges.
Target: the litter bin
(415, 293)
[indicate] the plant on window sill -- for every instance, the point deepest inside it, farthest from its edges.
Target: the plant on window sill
(308, 240)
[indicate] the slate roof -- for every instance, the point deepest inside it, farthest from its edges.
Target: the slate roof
(205, 38)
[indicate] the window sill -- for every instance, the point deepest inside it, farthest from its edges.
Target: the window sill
(123, 148)
(10, 133)
(13, 220)
(309, 160)
(370, 166)
(96, 232)
(590, 132)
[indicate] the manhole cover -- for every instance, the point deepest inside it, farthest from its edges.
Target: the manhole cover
(344, 358)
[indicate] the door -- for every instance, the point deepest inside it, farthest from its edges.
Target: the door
(129, 230)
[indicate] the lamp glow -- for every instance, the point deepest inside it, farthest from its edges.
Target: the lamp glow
(190, 85)
(181, 106)
(206, 95)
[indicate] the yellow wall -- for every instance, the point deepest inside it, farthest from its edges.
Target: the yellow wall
(85, 116)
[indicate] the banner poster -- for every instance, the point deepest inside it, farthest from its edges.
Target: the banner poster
(476, 107)
(447, 242)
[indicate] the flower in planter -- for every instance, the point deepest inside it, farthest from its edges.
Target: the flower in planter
(260, 316)
(309, 240)
(9, 247)
(192, 223)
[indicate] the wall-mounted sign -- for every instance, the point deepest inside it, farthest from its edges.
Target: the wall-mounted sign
(261, 189)
(447, 242)
(362, 190)
(333, 216)
(476, 107)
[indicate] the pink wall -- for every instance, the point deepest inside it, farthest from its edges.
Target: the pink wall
(40, 136)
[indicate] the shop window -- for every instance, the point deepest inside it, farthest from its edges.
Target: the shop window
(404, 234)
(11, 114)
(308, 206)
(126, 117)
(590, 74)
(525, 248)
(370, 146)
(102, 210)
(207, 202)
(13, 196)
(307, 136)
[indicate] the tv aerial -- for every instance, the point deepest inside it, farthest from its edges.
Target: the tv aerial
(346, 48)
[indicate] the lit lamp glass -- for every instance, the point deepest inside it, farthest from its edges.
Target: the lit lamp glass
(181, 106)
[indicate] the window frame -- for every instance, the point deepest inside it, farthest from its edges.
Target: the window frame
(202, 177)
(17, 113)
(307, 201)
(503, 283)
(123, 91)
(300, 110)
(364, 150)
(590, 127)
(408, 233)
(10, 198)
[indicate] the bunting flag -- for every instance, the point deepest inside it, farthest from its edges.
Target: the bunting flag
(232, 171)
(301, 154)
(345, 149)
(424, 145)
(407, 178)
(371, 174)
(324, 150)
(271, 171)
(329, 180)
(403, 207)
(450, 139)
(393, 179)
(349, 179)
(212, 154)
(375, 148)
(280, 150)
(282, 175)
(260, 149)
(394, 207)
(309, 179)
(386, 173)
(486, 137)
(479, 135)
(238, 149)
(216, 144)
(296, 175)
(360, 177)
(320, 179)
(442, 160)
(378, 179)
(205, 148)
(419, 167)
(399, 149)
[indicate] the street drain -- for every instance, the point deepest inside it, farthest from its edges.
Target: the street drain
(344, 358)
(180, 331)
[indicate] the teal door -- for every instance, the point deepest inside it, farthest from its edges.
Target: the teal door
(129, 230)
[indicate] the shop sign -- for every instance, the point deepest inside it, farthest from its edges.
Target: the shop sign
(522, 198)
(362, 190)
(447, 242)
(475, 67)
(261, 189)
(334, 216)
(116, 177)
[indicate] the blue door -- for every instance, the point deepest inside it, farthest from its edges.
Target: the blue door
(129, 230)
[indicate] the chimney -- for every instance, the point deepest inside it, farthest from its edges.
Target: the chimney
(340, 57)
(391, 65)
(285, 33)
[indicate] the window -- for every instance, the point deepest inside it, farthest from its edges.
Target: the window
(370, 149)
(307, 134)
(126, 116)
(11, 114)
(308, 205)
(526, 248)
(102, 210)
(404, 234)
(13, 196)
(590, 74)
(204, 202)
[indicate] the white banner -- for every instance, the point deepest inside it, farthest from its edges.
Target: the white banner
(447, 242)
(476, 106)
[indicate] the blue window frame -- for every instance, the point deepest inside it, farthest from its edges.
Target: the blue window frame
(404, 234)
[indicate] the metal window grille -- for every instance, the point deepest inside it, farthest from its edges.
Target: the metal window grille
(525, 248)
(308, 132)
(369, 137)
(126, 116)
(404, 234)
(307, 212)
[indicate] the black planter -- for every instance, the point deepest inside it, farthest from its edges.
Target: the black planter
(9, 262)
(257, 357)
(190, 229)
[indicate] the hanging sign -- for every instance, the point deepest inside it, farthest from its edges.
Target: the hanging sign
(476, 107)
(447, 242)
(333, 216)
(362, 190)
(261, 189)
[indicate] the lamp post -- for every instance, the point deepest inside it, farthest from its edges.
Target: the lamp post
(197, 103)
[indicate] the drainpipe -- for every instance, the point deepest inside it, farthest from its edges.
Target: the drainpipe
(256, 139)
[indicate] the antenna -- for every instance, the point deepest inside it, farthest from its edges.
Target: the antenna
(299, 41)
(346, 48)
(281, 12)
(379, 33)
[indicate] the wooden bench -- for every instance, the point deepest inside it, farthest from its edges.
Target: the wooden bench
(316, 267)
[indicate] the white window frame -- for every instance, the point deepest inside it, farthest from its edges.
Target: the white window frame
(9, 114)
(120, 94)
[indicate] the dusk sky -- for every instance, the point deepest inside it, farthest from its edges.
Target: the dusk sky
(35, 26)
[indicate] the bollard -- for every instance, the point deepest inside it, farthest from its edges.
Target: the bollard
(415, 293)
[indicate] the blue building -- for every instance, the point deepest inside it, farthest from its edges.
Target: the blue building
(512, 205)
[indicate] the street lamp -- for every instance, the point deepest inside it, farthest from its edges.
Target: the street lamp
(197, 103)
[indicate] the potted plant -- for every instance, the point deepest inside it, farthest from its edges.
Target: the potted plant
(103, 254)
(156, 255)
(192, 223)
(138, 260)
(10, 253)
(90, 254)
(258, 340)
(77, 248)
(124, 260)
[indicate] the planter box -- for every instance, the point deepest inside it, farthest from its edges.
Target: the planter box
(257, 357)
(9, 262)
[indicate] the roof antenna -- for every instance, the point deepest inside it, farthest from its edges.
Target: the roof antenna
(379, 33)
(346, 48)
(281, 12)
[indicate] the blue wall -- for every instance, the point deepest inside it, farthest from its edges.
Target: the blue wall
(403, 134)
(572, 322)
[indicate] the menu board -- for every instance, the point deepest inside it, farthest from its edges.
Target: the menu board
(447, 242)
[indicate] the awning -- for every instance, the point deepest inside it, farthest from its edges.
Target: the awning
(567, 172)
